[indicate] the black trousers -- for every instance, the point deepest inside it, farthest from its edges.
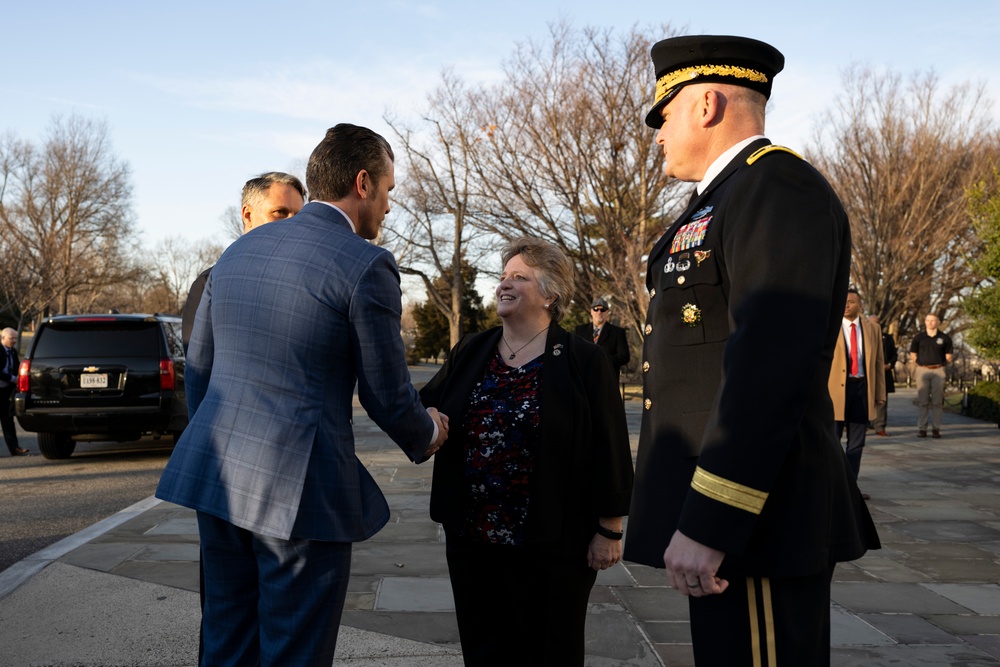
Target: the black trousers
(7, 418)
(764, 622)
(856, 422)
(519, 605)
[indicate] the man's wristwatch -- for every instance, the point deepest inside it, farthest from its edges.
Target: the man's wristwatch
(610, 534)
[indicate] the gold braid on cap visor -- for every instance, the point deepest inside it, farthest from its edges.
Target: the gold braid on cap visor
(666, 83)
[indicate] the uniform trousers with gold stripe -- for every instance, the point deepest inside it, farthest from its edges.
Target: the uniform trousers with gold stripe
(764, 622)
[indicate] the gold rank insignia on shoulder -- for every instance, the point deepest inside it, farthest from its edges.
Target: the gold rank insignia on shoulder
(690, 314)
(761, 152)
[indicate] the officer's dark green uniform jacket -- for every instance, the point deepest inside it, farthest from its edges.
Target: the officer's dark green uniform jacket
(737, 446)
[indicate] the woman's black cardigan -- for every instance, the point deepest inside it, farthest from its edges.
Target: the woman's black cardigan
(584, 465)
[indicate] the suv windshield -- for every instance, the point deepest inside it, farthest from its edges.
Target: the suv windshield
(98, 339)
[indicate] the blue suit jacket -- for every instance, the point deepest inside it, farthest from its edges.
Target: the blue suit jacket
(292, 314)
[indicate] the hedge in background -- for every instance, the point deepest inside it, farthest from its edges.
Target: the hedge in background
(984, 401)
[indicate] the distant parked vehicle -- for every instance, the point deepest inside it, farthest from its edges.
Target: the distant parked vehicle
(102, 377)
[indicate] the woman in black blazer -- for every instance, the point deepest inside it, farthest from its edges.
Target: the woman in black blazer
(534, 480)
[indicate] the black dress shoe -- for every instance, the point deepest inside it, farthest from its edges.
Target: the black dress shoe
(20, 451)
(922, 434)
(935, 433)
(866, 496)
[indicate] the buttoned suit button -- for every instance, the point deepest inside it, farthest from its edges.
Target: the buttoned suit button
(645, 367)
(647, 404)
(681, 280)
(652, 293)
(648, 329)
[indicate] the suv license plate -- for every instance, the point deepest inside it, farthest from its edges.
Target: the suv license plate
(94, 381)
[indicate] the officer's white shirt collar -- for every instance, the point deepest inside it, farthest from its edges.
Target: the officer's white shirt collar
(720, 162)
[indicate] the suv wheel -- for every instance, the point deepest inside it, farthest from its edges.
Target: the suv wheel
(56, 445)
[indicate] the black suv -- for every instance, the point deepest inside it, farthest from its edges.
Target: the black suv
(102, 377)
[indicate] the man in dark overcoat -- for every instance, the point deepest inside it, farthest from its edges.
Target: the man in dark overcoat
(604, 334)
(742, 491)
(891, 355)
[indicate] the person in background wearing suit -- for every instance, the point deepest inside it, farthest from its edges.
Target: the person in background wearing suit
(273, 195)
(890, 355)
(741, 490)
(294, 316)
(532, 486)
(8, 385)
(606, 335)
(857, 378)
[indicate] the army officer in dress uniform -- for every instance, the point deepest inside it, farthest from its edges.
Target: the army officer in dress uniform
(742, 491)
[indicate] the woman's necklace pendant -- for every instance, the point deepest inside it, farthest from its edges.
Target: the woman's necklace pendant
(513, 352)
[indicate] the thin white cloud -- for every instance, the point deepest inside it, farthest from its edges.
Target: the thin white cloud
(423, 9)
(12, 94)
(430, 11)
(316, 92)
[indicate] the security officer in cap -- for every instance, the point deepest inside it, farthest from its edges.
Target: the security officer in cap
(742, 491)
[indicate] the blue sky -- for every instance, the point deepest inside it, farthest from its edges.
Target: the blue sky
(201, 96)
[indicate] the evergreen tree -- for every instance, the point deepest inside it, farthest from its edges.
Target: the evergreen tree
(983, 305)
(433, 332)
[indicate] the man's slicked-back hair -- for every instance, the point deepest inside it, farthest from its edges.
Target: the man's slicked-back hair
(257, 187)
(346, 150)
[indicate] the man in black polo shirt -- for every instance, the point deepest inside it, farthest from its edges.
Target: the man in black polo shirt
(931, 351)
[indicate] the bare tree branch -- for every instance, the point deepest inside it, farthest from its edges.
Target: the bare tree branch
(901, 155)
(66, 206)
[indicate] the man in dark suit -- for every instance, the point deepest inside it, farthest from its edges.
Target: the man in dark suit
(891, 355)
(741, 488)
(605, 334)
(273, 195)
(294, 316)
(8, 385)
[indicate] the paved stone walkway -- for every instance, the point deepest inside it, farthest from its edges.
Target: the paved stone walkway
(929, 597)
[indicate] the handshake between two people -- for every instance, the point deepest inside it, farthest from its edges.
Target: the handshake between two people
(442, 423)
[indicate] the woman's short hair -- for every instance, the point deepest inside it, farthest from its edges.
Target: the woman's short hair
(555, 272)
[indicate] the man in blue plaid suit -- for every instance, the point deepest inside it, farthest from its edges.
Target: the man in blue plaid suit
(293, 315)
